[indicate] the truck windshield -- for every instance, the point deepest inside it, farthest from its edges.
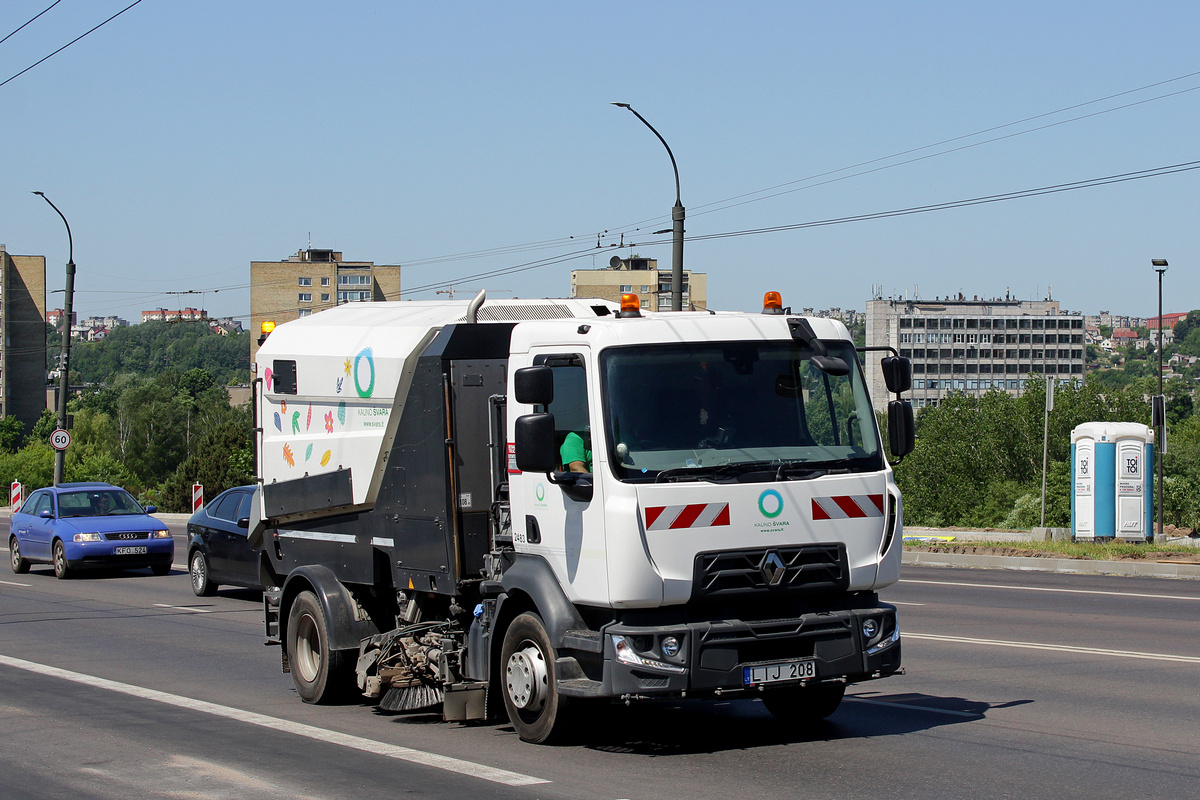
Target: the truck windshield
(735, 411)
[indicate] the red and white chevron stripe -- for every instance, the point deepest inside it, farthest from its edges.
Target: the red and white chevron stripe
(855, 506)
(696, 515)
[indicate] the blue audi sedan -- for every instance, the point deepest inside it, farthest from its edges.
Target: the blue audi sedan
(77, 526)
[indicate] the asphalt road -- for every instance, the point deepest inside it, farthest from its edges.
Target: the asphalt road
(1017, 685)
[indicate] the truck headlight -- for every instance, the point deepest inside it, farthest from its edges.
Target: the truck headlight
(626, 654)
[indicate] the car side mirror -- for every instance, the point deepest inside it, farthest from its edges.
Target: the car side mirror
(534, 385)
(901, 436)
(46, 514)
(534, 434)
(897, 374)
(244, 522)
(151, 509)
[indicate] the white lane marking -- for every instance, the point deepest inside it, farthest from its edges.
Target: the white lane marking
(899, 603)
(14, 583)
(1047, 589)
(1061, 648)
(931, 709)
(421, 757)
(184, 608)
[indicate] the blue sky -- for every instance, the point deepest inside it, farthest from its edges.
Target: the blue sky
(185, 139)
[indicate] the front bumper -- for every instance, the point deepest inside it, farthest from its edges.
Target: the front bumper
(713, 656)
(105, 554)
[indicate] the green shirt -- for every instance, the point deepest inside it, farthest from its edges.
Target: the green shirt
(574, 448)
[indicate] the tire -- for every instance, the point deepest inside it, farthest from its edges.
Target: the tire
(161, 569)
(202, 583)
(528, 683)
(62, 570)
(319, 674)
(804, 704)
(19, 563)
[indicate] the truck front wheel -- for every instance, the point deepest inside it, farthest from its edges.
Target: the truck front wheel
(318, 673)
(804, 703)
(535, 708)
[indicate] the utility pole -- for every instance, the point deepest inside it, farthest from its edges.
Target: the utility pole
(64, 383)
(677, 216)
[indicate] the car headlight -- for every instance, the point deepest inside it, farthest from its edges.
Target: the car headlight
(160, 534)
(87, 537)
(626, 654)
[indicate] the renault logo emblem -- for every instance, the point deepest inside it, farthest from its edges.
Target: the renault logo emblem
(773, 568)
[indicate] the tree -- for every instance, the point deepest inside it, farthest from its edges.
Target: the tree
(11, 433)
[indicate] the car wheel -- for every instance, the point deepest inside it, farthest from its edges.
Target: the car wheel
(62, 569)
(202, 584)
(319, 674)
(535, 708)
(804, 703)
(19, 563)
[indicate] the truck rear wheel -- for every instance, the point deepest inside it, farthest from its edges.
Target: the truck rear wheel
(804, 703)
(319, 674)
(535, 708)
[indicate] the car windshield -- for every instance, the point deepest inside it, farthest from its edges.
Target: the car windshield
(97, 503)
(735, 411)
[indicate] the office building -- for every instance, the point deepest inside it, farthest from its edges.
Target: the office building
(22, 337)
(313, 280)
(640, 276)
(973, 346)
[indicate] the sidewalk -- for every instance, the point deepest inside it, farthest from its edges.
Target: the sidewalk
(1038, 564)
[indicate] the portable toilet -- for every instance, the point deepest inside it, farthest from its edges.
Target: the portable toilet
(1112, 492)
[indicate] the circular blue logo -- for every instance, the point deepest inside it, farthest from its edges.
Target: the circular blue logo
(366, 353)
(770, 503)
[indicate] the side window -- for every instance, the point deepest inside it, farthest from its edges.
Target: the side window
(226, 506)
(573, 430)
(31, 505)
(243, 510)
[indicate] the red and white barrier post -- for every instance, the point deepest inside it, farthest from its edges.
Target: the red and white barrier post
(197, 497)
(16, 495)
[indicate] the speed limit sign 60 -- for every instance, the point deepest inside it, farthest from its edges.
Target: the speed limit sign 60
(60, 439)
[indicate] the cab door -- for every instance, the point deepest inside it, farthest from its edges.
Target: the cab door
(562, 523)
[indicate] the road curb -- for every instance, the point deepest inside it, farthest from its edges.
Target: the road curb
(1070, 565)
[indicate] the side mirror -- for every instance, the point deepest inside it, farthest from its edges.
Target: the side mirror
(897, 374)
(46, 514)
(244, 522)
(901, 433)
(534, 385)
(534, 434)
(151, 509)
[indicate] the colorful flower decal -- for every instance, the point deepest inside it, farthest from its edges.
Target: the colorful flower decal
(295, 422)
(278, 423)
(288, 457)
(325, 458)
(308, 453)
(329, 422)
(346, 366)
(342, 412)
(308, 422)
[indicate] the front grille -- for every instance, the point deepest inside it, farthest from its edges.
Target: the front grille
(126, 536)
(806, 568)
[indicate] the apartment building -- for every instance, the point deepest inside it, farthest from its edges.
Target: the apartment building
(640, 276)
(22, 337)
(313, 280)
(974, 346)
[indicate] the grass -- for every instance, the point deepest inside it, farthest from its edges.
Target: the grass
(1107, 551)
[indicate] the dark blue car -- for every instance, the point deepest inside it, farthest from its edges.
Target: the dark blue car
(83, 525)
(218, 550)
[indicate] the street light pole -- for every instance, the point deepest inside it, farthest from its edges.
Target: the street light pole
(677, 215)
(60, 456)
(1160, 266)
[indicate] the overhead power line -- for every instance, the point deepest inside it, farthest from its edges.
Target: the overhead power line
(68, 44)
(35, 16)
